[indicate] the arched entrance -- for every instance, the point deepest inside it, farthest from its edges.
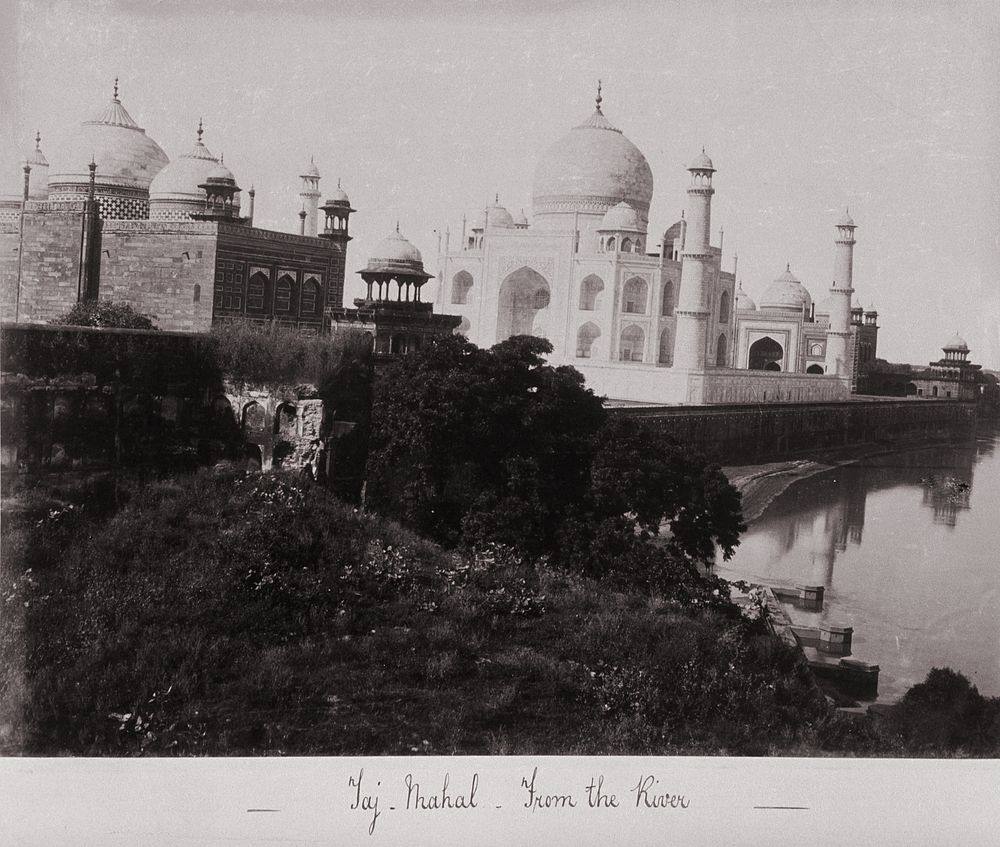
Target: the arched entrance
(585, 339)
(814, 369)
(765, 355)
(524, 301)
(721, 352)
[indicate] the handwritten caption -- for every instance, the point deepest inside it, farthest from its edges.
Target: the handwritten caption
(420, 794)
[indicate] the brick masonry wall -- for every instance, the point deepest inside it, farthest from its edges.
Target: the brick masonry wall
(734, 434)
(50, 265)
(164, 269)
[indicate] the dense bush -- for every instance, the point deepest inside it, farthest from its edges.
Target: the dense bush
(248, 614)
(473, 446)
(106, 313)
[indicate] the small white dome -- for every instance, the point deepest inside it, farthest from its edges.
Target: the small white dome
(743, 301)
(702, 163)
(395, 248)
(36, 158)
(957, 343)
(621, 217)
(182, 178)
(311, 170)
(498, 217)
(845, 219)
(786, 293)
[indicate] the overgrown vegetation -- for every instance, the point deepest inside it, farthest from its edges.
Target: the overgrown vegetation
(230, 614)
(106, 313)
(473, 446)
(250, 614)
(224, 613)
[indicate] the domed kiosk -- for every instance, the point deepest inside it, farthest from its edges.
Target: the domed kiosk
(127, 162)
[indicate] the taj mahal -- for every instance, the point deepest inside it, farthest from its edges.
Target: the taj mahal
(661, 326)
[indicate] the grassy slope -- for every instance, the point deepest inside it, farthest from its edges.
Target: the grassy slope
(243, 615)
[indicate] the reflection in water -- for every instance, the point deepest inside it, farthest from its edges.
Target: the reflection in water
(905, 545)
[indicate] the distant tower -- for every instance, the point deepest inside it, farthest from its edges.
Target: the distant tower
(310, 198)
(838, 337)
(39, 171)
(693, 307)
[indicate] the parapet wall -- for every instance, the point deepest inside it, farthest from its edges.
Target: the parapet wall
(732, 434)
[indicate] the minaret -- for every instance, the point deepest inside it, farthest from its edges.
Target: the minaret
(838, 336)
(693, 309)
(310, 198)
(39, 171)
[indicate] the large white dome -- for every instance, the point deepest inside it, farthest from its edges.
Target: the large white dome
(124, 154)
(591, 169)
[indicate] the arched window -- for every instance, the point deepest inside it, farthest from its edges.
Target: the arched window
(414, 343)
(283, 295)
(765, 355)
(310, 298)
(461, 285)
(257, 292)
(667, 306)
(724, 308)
(196, 298)
(611, 244)
(626, 245)
(633, 339)
(722, 352)
(634, 296)
(585, 338)
(814, 369)
(285, 421)
(397, 344)
(666, 352)
(590, 290)
(254, 417)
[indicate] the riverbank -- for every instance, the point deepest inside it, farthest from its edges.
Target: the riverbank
(760, 484)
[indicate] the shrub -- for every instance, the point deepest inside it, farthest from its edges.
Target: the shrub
(105, 313)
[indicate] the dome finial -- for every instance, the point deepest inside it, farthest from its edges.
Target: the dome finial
(397, 226)
(338, 182)
(200, 130)
(38, 139)
(222, 158)
(116, 89)
(788, 267)
(496, 199)
(598, 99)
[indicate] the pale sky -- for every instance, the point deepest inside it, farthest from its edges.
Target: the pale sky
(426, 110)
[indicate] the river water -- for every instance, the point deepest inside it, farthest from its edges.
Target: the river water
(908, 548)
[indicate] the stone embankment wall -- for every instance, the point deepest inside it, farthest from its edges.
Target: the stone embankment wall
(81, 399)
(736, 434)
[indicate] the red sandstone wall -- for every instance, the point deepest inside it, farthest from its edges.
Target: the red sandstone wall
(50, 268)
(156, 266)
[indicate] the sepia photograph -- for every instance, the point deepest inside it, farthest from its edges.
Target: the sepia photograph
(491, 421)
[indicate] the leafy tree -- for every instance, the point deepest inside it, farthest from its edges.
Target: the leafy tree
(105, 313)
(472, 446)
